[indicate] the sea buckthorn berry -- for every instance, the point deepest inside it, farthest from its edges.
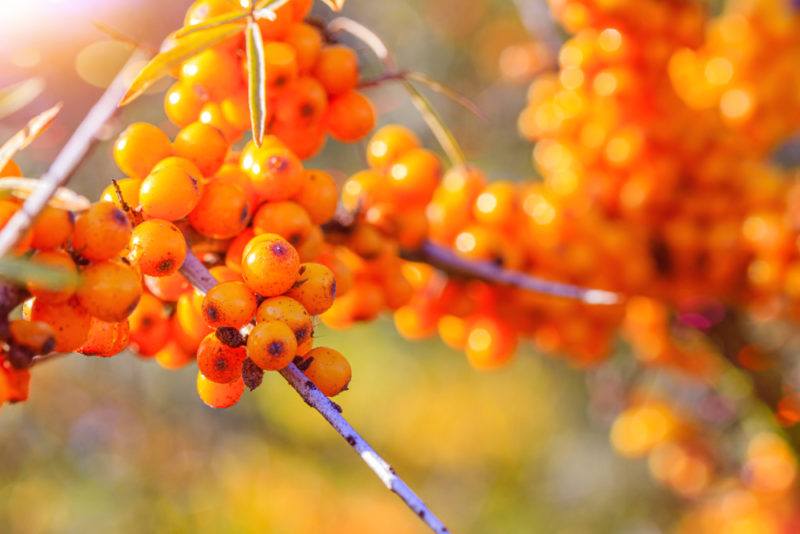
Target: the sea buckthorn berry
(223, 211)
(287, 310)
(328, 369)
(281, 65)
(312, 245)
(52, 228)
(269, 265)
(170, 193)
(69, 321)
(496, 205)
(287, 219)
(350, 117)
(7, 210)
(275, 172)
(453, 331)
(224, 274)
(189, 327)
(139, 148)
(307, 43)
(216, 395)
(415, 175)
(490, 343)
(106, 339)
(62, 289)
(301, 8)
(414, 322)
(128, 187)
(364, 188)
(158, 247)
(149, 326)
(231, 173)
(110, 290)
(319, 196)
(101, 232)
(229, 304)
(212, 115)
(302, 142)
(388, 144)
(315, 288)
(167, 288)
(36, 336)
(233, 257)
(337, 69)
(14, 383)
(214, 71)
(172, 356)
(276, 29)
(218, 362)
(182, 104)
(203, 145)
(271, 345)
(302, 104)
(181, 163)
(11, 169)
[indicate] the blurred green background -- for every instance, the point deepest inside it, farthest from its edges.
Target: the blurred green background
(121, 445)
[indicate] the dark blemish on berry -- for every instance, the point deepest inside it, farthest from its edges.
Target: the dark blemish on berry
(295, 239)
(351, 440)
(71, 217)
(212, 313)
(195, 183)
(332, 290)
(301, 271)
(119, 217)
(132, 306)
(277, 163)
(49, 345)
(275, 349)
(278, 249)
(165, 266)
(147, 322)
(125, 260)
(301, 334)
(299, 283)
(303, 365)
(280, 81)
(220, 364)
(307, 110)
(244, 214)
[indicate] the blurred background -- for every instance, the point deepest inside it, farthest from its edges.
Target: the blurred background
(122, 445)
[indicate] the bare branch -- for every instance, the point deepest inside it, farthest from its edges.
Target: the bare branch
(194, 270)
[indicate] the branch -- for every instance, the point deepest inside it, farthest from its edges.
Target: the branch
(194, 271)
(68, 160)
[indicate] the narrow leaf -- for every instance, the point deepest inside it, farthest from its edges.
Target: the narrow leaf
(182, 49)
(24, 271)
(17, 96)
(28, 134)
(442, 133)
(445, 91)
(117, 35)
(64, 198)
(266, 9)
(256, 84)
(214, 22)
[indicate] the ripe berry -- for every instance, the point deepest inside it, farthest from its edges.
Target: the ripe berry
(129, 187)
(149, 326)
(52, 228)
(69, 321)
(182, 104)
(235, 110)
(318, 196)
(229, 304)
(101, 232)
(271, 345)
(388, 144)
(281, 66)
(217, 395)
(105, 339)
(7, 210)
(189, 327)
(233, 256)
(223, 211)
(62, 263)
(36, 336)
(302, 104)
(337, 69)
(214, 72)
(11, 169)
(167, 288)
(269, 265)
(110, 290)
(158, 247)
(315, 288)
(203, 145)
(287, 219)
(170, 193)
(181, 163)
(307, 43)
(172, 356)
(139, 148)
(290, 312)
(218, 362)
(276, 173)
(212, 115)
(414, 176)
(350, 117)
(490, 343)
(328, 369)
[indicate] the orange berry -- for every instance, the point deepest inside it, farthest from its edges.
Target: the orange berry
(271, 345)
(101, 232)
(223, 210)
(290, 312)
(170, 193)
(275, 172)
(414, 321)
(236, 111)
(388, 144)
(310, 248)
(189, 327)
(319, 196)
(129, 187)
(214, 72)
(315, 288)
(276, 29)
(364, 188)
(14, 383)
(414, 176)
(158, 247)
(302, 104)
(172, 356)
(105, 339)
(139, 147)
(304, 142)
(11, 169)
(269, 265)
(182, 104)
(497, 204)
(167, 288)
(149, 326)
(212, 115)
(307, 43)
(453, 330)
(69, 321)
(490, 343)
(281, 65)
(7, 210)
(233, 257)
(216, 395)
(229, 304)
(36, 336)
(337, 69)
(62, 290)
(218, 362)
(350, 117)
(328, 369)
(301, 8)
(287, 219)
(181, 163)
(52, 228)
(203, 145)
(231, 173)
(109, 290)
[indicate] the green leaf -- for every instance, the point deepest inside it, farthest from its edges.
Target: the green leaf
(182, 49)
(22, 270)
(28, 134)
(256, 83)
(442, 133)
(17, 96)
(214, 22)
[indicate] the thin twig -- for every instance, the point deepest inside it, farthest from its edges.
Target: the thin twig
(194, 271)
(68, 160)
